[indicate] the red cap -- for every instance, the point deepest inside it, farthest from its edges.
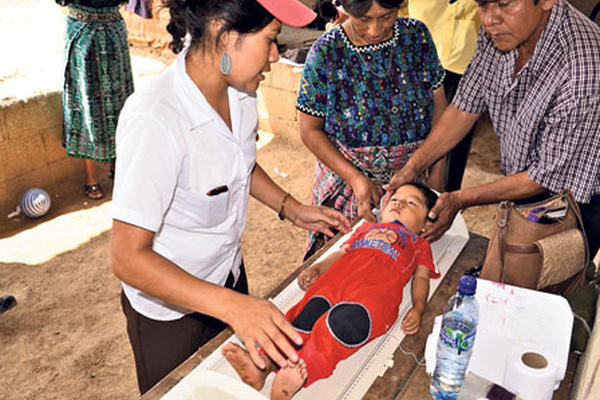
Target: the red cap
(289, 12)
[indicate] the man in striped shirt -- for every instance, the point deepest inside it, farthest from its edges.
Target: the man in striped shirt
(536, 71)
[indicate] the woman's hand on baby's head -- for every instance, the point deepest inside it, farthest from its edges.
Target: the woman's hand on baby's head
(366, 195)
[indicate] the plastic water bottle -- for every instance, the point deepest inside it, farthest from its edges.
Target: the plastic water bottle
(455, 344)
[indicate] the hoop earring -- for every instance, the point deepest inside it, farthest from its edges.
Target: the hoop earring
(225, 64)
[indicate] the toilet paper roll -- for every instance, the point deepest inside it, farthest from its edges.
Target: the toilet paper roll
(530, 373)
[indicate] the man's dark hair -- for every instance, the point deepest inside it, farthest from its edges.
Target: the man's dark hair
(358, 8)
(194, 17)
(428, 194)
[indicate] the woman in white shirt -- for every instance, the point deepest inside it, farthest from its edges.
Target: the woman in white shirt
(186, 146)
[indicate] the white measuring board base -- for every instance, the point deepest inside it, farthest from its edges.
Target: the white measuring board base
(353, 376)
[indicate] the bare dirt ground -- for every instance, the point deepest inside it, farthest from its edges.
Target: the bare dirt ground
(66, 338)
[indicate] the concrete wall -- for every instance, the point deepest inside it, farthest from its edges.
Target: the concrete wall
(31, 154)
(277, 95)
(30, 148)
(150, 36)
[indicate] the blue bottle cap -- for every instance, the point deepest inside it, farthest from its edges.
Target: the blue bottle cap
(467, 285)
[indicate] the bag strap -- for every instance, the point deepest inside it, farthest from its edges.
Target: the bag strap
(502, 229)
(575, 208)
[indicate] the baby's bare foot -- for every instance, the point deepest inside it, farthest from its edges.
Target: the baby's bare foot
(242, 363)
(289, 380)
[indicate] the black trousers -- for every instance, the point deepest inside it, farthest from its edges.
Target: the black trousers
(590, 213)
(160, 346)
(457, 157)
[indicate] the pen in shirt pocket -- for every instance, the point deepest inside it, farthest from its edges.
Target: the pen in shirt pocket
(217, 190)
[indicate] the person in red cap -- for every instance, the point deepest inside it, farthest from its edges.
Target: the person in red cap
(186, 145)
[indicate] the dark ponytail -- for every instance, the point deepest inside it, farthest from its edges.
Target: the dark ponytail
(195, 16)
(177, 26)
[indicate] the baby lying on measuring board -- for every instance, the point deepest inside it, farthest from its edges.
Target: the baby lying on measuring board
(353, 296)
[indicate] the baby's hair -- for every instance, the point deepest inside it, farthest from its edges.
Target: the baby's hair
(428, 194)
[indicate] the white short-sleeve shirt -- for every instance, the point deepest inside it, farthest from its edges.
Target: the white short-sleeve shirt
(175, 156)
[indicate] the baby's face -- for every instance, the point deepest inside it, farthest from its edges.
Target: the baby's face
(406, 205)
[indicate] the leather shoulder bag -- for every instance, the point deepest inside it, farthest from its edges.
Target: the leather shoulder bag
(539, 246)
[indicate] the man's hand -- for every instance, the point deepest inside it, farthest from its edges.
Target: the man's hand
(403, 176)
(366, 195)
(261, 325)
(442, 214)
(320, 219)
(411, 321)
(308, 276)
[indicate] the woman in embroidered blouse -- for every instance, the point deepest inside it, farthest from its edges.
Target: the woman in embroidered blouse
(370, 90)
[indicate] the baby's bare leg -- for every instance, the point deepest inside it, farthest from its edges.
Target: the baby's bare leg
(289, 380)
(240, 360)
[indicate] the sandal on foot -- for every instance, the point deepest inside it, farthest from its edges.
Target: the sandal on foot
(93, 192)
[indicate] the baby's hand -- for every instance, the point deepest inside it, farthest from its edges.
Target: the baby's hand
(411, 322)
(307, 277)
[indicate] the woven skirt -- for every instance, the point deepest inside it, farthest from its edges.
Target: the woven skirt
(98, 80)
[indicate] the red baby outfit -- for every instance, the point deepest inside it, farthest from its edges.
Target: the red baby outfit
(358, 298)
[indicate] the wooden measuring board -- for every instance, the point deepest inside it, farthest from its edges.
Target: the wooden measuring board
(353, 376)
